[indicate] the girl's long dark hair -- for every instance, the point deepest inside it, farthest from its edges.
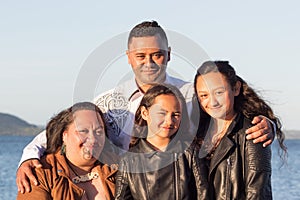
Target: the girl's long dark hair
(247, 102)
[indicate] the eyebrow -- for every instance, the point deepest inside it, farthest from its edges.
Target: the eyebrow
(161, 109)
(221, 87)
(84, 127)
(137, 51)
(101, 126)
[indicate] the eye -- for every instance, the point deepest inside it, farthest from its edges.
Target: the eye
(202, 96)
(177, 115)
(220, 92)
(100, 131)
(83, 131)
(140, 56)
(161, 113)
(157, 55)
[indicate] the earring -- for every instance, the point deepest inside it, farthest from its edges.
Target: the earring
(63, 149)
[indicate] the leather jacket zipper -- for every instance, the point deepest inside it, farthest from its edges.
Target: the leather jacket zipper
(228, 187)
(176, 176)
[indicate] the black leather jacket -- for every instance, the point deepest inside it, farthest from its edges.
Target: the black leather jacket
(147, 174)
(239, 169)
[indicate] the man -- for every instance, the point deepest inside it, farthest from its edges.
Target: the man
(148, 54)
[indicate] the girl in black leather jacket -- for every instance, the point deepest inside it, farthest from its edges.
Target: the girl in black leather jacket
(161, 163)
(235, 168)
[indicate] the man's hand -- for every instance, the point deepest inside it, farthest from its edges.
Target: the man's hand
(262, 131)
(24, 174)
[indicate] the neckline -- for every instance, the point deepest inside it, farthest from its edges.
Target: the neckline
(82, 178)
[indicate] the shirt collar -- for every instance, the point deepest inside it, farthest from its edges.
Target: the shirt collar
(130, 87)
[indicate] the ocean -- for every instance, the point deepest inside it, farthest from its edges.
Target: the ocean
(285, 179)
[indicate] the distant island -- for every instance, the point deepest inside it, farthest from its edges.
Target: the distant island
(12, 125)
(292, 134)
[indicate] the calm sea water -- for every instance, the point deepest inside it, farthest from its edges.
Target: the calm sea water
(285, 180)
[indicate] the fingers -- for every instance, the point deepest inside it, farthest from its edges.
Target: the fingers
(267, 143)
(36, 163)
(257, 119)
(257, 130)
(25, 175)
(22, 182)
(262, 138)
(26, 185)
(19, 183)
(261, 132)
(258, 135)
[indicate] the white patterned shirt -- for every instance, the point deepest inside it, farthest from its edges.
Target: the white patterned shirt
(119, 106)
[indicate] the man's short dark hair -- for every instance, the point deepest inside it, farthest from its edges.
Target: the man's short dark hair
(147, 28)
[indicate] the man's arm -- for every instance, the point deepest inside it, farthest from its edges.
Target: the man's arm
(29, 160)
(264, 130)
(35, 149)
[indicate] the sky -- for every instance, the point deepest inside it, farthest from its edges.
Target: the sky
(46, 46)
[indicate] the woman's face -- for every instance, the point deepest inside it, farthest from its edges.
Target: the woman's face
(163, 117)
(85, 137)
(216, 96)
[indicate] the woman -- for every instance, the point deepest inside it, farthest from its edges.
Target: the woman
(235, 168)
(71, 169)
(160, 165)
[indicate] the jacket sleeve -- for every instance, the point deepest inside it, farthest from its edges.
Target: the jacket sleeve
(257, 171)
(122, 186)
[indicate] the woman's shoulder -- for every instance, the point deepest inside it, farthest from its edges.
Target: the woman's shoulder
(139, 146)
(49, 161)
(53, 166)
(45, 174)
(240, 124)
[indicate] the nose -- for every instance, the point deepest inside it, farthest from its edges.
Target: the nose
(149, 61)
(213, 101)
(169, 119)
(91, 137)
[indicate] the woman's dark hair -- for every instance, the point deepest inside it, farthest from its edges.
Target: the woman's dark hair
(140, 125)
(61, 122)
(247, 102)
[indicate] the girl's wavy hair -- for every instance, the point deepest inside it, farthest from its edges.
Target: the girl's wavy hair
(247, 102)
(140, 125)
(61, 122)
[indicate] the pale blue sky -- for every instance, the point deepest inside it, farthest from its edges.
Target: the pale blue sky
(43, 46)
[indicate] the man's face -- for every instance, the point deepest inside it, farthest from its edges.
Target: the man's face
(148, 57)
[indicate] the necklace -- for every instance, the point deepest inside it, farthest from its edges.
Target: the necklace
(83, 178)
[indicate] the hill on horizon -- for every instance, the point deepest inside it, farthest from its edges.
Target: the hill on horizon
(12, 125)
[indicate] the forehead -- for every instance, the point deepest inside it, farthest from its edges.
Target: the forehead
(86, 117)
(167, 101)
(210, 81)
(148, 42)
